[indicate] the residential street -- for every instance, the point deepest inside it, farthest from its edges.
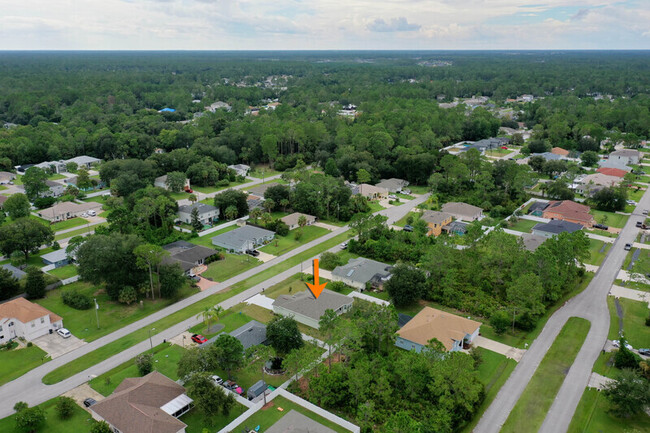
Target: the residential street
(29, 387)
(591, 304)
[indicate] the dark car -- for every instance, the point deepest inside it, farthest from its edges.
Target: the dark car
(644, 352)
(253, 253)
(408, 228)
(639, 223)
(198, 338)
(601, 226)
(89, 402)
(627, 247)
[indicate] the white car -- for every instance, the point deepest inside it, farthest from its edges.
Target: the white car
(217, 380)
(92, 213)
(617, 343)
(64, 333)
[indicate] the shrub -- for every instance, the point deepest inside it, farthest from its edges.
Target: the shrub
(65, 407)
(336, 286)
(297, 235)
(144, 363)
(500, 321)
(624, 358)
(127, 295)
(281, 228)
(56, 246)
(44, 202)
(76, 300)
(330, 260)
(30, 344)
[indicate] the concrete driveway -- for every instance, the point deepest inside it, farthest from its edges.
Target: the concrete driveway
(265, 257)
(80, 393)
(55, 345)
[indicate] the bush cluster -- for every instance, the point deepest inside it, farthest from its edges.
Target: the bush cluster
(76, 300)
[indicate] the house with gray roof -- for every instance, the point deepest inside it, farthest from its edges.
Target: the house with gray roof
(17, 273)
(84, 161)
(308, 310)
(6, 177)
(548, 156)
(614, 163)
(243, 238)
(251, 334)
(626, 156)
(207, 214)
(241, 169)
(394, 185)
(55, 189)
(188, 255)
(361, 272)
(555, 227)
(57, 258)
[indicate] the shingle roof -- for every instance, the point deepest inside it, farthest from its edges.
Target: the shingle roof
(194, 254)
(135, 405)
(25, 311)
(68, 206)
(17, 273)
(202, 207)
(610, 171)
(241, 235)
(392, 184)
(557, 227)
(570, 210)
(463, 209)
(435, 217)
(431, 323)
(538, 206)
(362, 270)
(627, 152)
(292, 219)
(305, 304)
(560, 151)
(250, 334)
(55, 256)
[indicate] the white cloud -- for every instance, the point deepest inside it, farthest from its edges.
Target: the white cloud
(400, 24)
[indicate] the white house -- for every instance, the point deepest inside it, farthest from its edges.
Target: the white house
(21, 318)
(161, 182)
(207, 214)
(626, 156)
(241, 169)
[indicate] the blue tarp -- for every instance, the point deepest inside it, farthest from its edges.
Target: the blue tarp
(167, 110)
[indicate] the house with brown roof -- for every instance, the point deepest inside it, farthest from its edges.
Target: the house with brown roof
(560, 151)
(149, 404)
(370, 192)
(435, 221)
(463, 211)
(449, 329)
(22, 318)
(610, 171)
(67, 209)
(291, 220)
(568, 210)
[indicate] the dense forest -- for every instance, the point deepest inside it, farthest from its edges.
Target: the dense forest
(60, 105)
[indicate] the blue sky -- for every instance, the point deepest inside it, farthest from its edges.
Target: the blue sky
(323, 24)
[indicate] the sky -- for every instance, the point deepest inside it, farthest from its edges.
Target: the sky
(323, 24)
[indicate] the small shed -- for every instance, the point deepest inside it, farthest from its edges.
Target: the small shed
(257, 389)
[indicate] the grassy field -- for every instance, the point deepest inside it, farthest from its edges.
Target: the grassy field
(594, 249)
(16, 362)
(79, 422)
(270, 414)
(602, 233)
(635, 194)
(642, 263)
(498, 152)
(112, 315)
(592, 416)
(96, 199)
(64, 272)
(68, 224)
(231, 265)
(265, 171)
(231, 321)
(283, 244)
(610, 218)
(634, 315)
(211, 189)
(166, 357)
(530, 411)
(523, 225)
(129, 340)
(78, 232)
(604, 365)
(196, 422)
(493, 373)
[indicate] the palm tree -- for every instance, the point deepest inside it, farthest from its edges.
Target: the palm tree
(302, 221)
(284, 203)
(231, 212)
(266, 218)
(256, 213)
(209, 314)
(269, 205)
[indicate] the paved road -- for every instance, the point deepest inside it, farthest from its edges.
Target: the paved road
(591, 304)
(253, 182)
(29, 387)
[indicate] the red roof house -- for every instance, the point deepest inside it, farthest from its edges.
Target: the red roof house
(571, 211)
(612, 171)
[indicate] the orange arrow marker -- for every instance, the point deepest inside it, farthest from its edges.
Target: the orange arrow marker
(316, 288)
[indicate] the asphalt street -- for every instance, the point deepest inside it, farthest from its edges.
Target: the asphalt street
(590, 304)
(29, 387)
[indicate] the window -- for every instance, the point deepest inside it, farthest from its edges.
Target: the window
(42, 319)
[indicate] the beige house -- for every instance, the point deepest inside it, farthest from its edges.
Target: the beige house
(291, 220)
(595, 182)
(161, 182)
(371, 192)
(67, 209)
(6, 177)
(463, 211)
(451, 330)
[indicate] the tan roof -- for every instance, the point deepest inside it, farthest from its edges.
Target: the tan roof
(560, 151)
(135, 405)
(292, 219)
(68, 206)
(463, 209)
(367, 189)
(431, 323)
(601, 179)
(435, 217)
(25, 311)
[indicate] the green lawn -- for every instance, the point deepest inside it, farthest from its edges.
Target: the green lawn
(129, 340)
(498, 152)
(634, 194)
(602, 233)
(112, 315)
(231, 265)
(251, 373)
(96, 199)
(269, 415)
(530, 411)
(604, 365)
(166, 357)
(375, 206)
(81, 231)
(196, 422)
(610, 218)
(16, 362)
(634, 315)
(64, 272)
(211, 189)
(230, 320)
(592, 416)
(283, 244)
(523, 225)
(493, 373)
(293, 285)
(79, 422)
(594, 250)
(402, 222)
(419, 189)
(641, 264)
(257, 172)
(67, 224)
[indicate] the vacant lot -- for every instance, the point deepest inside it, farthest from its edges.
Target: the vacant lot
(592, 416)
(610, 218)
(634, 315)
(530, 411)
(598, 250)
(16, 362)
(523, 225)
(283, 244)
(231, 265)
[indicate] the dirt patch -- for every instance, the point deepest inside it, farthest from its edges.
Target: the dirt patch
(268, 405)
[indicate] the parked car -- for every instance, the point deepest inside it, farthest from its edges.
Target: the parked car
(617, 343)
(344, 246)
(644, 352)
(63, 332)
(632, 202)
(627, 247)
(89, 402)
(408, 228)
(253, 253)
(392, 197)
(639, 223)
(645, 211)
(230, 385)
(504, 147)
(195, 278)
(92, 213)
(601, 226)
(216, 379)
(199, 339)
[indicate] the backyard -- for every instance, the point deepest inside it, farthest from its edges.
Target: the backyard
(523, 225)
(610, 218)
(531, 408)
(64, 272)
(283, 244)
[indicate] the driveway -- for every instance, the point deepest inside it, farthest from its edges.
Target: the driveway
(635, 295)
(503, 349)
(265, 257)
(326, 226)
(261, 301)
(55, 345)
(82, 392)
(204, 283)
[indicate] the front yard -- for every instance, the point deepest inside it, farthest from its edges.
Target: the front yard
(78, 232)
(598, 250)
(283, 244)
(67, 224)
(231, 265)
(609, 218)
(79, 422)
(16, 362)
